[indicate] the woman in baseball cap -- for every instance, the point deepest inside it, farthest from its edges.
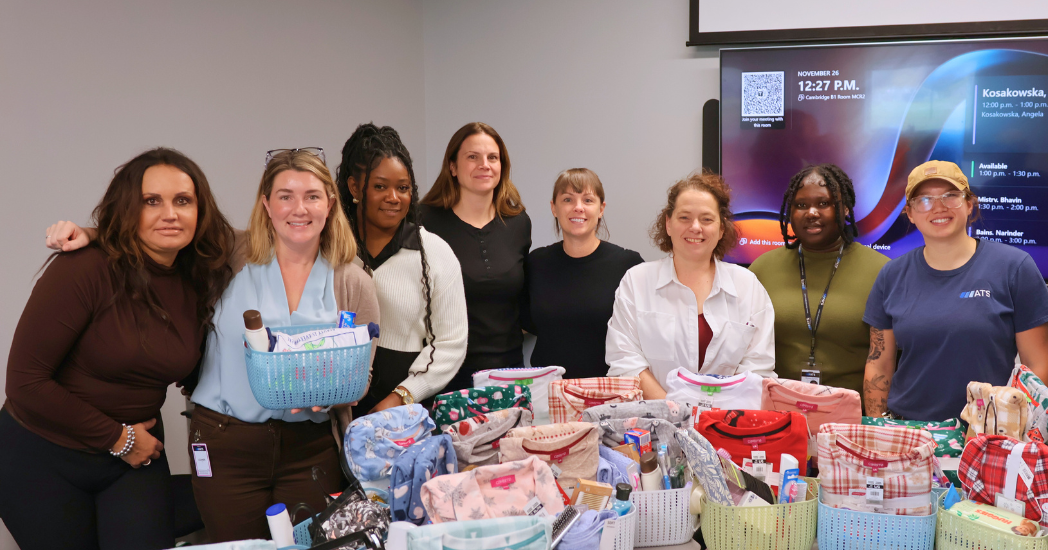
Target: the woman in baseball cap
(958, 308)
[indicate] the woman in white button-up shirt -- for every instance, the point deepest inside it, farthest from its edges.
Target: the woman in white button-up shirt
(656, 326)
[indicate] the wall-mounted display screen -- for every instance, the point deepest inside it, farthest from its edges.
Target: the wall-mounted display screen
(879, 110)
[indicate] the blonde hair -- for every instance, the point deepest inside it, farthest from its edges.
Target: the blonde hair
(445, 192)
(337, 244)
(580, 180)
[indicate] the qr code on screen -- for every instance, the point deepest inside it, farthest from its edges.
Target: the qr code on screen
(763, 93)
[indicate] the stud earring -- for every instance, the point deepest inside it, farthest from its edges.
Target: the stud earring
(355, 201)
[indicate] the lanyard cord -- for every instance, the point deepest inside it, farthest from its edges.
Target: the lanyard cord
(813, 327)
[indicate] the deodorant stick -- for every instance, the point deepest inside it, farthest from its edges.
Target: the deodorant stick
(255, 331)
(280, 525)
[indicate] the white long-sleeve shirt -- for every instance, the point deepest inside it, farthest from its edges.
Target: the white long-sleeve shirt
(402, 301)
(655, 324)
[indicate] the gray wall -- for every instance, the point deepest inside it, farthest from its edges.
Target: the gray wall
(85, 86)
(606, 85)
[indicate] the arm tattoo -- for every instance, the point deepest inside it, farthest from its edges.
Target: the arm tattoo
(876, 344)
(875, 391)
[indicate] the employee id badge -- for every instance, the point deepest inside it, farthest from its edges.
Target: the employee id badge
(201, 460)
(811, 374)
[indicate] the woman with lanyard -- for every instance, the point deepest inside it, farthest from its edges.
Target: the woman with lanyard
(417, 277)
(830, 346)
(475, 208)
(958, 308)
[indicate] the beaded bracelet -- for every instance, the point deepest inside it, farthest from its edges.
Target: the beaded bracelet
(127, 444)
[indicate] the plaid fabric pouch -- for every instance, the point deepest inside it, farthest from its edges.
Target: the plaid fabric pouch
(850, 454)
(454, 406)
(984, 472)
(568, 398)
(995, 410)
(1024, 380)
(948, 434)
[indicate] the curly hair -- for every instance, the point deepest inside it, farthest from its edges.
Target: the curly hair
(361, 154)
(841, 191)
(203, 263)
(710, 183)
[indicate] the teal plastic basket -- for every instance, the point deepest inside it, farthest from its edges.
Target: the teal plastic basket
(303, 379)
(841, 529)
(301, 533)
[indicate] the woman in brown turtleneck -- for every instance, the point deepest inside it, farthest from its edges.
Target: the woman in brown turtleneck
(105, 331)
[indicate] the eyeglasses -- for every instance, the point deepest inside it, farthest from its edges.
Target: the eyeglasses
(315, 151)
(924, 203)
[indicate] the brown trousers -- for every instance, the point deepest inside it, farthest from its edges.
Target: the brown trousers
(257, 465)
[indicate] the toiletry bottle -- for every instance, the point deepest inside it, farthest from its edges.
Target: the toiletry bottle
(280, 525)
(650, 475)
(255, 331)
(790, 470)
(621, 505)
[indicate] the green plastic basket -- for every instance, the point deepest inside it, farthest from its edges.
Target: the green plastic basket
(955, 533)
(771, 527)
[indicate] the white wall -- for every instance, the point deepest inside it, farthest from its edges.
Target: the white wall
(85, 86)
(606, 85)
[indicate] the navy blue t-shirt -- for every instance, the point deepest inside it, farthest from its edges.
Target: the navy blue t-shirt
(954, 327)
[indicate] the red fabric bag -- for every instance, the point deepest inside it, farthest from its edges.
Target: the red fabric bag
(984, 472)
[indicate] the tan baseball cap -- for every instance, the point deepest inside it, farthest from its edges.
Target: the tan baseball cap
(936, 170)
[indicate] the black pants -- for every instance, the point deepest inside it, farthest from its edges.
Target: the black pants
(55, 497)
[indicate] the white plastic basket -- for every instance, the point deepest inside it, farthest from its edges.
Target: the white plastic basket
(626, 538)
(664, 517)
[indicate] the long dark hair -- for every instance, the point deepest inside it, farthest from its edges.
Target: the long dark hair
(363, 151)
(841, 191)
(203, 263)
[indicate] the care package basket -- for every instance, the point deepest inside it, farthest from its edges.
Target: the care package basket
(302, 379)
(955, 533)
(771, 527)
(841, 529)
(664, 518)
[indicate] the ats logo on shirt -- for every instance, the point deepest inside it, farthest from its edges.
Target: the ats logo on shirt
(975, 294)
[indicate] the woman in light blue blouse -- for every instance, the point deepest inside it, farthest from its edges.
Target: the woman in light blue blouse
(295, 267)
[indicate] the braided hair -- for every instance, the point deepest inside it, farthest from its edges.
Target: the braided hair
(364, 150)
(841, 191)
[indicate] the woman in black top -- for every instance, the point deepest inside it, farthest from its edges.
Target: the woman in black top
(476, 209)
(571, 284)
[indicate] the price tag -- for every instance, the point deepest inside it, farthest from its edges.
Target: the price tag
(556, 470)
(811, 376)
(1026, 474)
(703, 403)
(609, 534)
(760, 466)
(875, 489)
(534, 507)
(1014, 506)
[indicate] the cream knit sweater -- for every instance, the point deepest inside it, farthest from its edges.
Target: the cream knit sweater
(402, 301)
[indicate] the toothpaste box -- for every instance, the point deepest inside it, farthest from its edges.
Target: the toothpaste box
(641, 439)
